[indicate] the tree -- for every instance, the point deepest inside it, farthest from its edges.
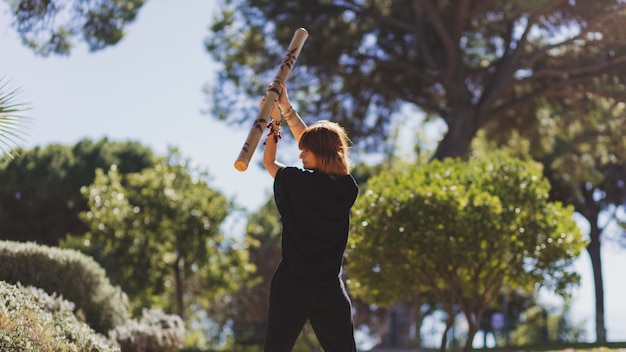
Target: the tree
(462, 231)
(471, 63)
(591, 177)
(399, 324)
(583, 151)
(541, 328)
(40, 195)
(467, 62)
(55, 26)
(157, 233)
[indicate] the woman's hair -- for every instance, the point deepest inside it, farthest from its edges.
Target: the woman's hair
(330, 143)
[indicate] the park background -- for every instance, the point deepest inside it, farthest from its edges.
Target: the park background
(149, 88)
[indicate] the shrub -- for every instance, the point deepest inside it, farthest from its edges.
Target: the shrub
(75, 276)
(154, 331)
(32, 320)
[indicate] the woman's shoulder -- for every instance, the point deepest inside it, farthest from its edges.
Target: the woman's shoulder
(293, 170)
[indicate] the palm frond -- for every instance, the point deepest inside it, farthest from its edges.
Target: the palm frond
(13, 124)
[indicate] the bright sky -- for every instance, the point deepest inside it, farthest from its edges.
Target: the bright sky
(148, 88)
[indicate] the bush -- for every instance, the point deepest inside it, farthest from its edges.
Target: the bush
(75, 276)
(32, 320)
(154, 331)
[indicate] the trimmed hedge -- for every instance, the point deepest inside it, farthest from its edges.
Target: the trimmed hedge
(153, 331)
(73, 275)
(54, 299)
(32, 320)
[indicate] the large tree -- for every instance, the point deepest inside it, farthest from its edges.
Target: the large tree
(40, 195)
(463, 231)
(583, 151)
(471, 63)
(56, 26)
(467, 62)
(587, 168)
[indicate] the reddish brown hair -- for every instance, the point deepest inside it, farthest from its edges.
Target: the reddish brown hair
(330, 144)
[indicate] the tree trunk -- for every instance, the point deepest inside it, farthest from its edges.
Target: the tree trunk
(470, 338)
(473, 316)
(589, 209)
(401, 317)
(596, 263)
(444, 339)
(456, 141)
(179, 288)
(419, 320)
(449, 322)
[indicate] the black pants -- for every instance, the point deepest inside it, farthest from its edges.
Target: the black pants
(292, 302)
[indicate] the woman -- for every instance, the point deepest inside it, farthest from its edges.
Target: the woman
(314, 205)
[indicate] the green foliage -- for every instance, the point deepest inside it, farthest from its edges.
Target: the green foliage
(263, 228)
(157, 233)
(470, 64)
(75, 276)
(541, 328)
(583, 149)
(460, 230)
(40, 195)
(363, 172)
(153, 331)
(54, 26)
(32, 320)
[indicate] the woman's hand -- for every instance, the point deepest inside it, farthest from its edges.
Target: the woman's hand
(283, 98)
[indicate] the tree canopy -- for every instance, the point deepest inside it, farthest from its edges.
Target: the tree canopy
(468, 62)
(583, 152)
(56, 26)
(40, 191)
(158, 234)
(462, 231)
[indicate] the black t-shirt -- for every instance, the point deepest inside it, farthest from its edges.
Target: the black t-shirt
(315, 214)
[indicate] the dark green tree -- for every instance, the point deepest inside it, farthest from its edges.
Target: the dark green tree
(462, 231)
(40, 195)
(157, 232)
(56, 26)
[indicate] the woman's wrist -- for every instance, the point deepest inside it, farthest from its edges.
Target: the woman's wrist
(289, 113)
(274, 132)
